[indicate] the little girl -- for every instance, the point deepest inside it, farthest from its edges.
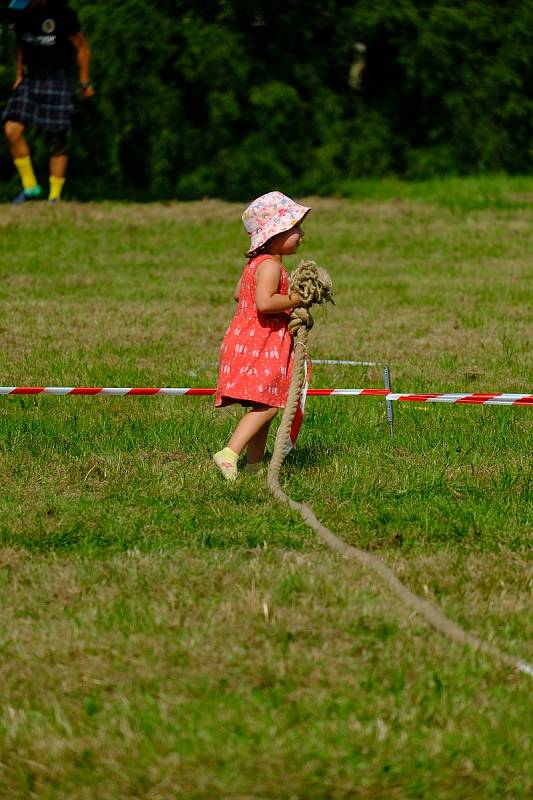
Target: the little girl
(256, 354)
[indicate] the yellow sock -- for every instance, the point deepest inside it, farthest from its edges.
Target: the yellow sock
(226, 460)
(56, 185)
(27, 175)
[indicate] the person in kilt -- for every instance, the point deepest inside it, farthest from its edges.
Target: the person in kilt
(49, 42)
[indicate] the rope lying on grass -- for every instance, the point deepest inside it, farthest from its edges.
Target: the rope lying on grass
(314, 286)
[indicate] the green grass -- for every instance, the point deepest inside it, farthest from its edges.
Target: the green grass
(166, 636)
(473, 193)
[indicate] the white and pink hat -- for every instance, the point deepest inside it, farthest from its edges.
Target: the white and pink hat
(270, 214)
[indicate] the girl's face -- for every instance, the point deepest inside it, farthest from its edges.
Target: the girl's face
(288, 242)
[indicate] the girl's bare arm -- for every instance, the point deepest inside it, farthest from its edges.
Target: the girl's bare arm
(267, 296)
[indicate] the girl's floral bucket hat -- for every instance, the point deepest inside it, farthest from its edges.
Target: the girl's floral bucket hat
(270, 214)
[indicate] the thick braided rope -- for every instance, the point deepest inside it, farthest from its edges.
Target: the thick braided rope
(299, 328)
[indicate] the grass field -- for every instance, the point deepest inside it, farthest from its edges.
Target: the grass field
(166, 636)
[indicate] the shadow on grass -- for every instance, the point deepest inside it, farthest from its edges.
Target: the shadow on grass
(303, 457)
(162, 526)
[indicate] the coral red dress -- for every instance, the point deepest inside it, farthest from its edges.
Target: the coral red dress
(256, 353)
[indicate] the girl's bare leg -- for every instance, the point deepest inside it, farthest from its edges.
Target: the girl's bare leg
(256, 446)
(251, 426)
(251, 432)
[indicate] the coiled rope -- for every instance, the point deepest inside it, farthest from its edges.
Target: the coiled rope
(314, 285)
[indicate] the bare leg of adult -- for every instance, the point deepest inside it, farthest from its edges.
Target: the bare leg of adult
(58, 166)
(18, 147)
(20, 154)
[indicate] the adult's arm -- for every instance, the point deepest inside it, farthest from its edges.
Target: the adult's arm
(267, 295)
(19, 66)
(83, 52)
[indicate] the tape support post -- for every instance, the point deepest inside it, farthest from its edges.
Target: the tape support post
(474, 398)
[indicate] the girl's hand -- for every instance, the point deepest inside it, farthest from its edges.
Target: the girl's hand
(295, 299)
(18, 81)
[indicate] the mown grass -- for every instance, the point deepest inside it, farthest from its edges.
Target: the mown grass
(166, 636)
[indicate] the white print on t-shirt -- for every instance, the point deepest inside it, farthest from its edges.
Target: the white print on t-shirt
(41, 41)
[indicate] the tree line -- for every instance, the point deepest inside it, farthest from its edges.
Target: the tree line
(229, 98)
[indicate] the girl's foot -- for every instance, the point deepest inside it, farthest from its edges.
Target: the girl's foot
(226, 461)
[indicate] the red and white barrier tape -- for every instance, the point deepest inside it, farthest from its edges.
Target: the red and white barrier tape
(475, 398)
(346, 363)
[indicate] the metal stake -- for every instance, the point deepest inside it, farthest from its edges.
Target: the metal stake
(388, 403)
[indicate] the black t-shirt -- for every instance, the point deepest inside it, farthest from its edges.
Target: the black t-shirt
(44, 36)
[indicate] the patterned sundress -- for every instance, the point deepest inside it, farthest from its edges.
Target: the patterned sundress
(256, 353)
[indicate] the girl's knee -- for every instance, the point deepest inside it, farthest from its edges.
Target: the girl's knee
(268, 412)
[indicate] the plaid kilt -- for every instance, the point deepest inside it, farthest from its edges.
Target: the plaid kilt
(46, 100)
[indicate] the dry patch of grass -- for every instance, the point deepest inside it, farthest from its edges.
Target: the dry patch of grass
(123, 677)
(126, 214)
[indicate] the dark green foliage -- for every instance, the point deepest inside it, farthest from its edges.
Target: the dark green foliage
(230, 98)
